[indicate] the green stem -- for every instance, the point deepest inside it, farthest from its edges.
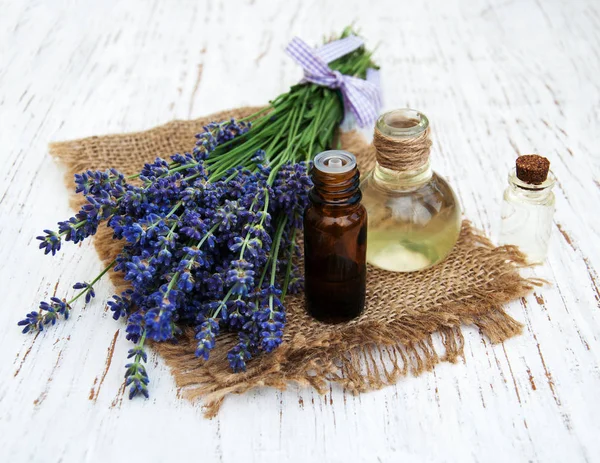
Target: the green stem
(173, 227)
(280, 132)
(141, 344)
(200, 243)
(210, 232)
(246, 240)
(278, 236)
(94, 281)
(288, 269)
(256, 114)
(76, 226)
(326, 105)
(292, 147)
(222, 304)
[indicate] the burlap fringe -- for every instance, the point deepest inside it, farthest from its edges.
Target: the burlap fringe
(367, 356)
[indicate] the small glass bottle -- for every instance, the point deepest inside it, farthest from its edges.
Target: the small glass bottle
(528, 207)
(414, 215)
(335, 240)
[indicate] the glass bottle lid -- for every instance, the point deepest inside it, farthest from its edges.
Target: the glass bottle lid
(335, 162)
(402, 123)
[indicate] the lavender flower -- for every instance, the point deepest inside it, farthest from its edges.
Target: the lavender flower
(136, 376)
(89, 290)
(48, 314)
(120, 306)
(206, 334)
(196, 249)
(241, 353)
(50, 242)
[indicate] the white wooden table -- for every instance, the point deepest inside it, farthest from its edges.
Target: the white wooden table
(495, 79)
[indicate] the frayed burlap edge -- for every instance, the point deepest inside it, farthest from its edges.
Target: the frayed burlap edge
(367, 358)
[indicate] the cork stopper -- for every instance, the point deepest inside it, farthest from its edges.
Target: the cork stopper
(532, 169)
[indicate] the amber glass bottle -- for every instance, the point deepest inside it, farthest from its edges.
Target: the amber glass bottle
(335, 240)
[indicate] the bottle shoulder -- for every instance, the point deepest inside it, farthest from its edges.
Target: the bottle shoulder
(432, 201)
(516, 195)
(330, 216)
(316, 211)
(436, 189)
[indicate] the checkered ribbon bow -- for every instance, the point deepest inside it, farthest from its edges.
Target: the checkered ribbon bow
(361, 97)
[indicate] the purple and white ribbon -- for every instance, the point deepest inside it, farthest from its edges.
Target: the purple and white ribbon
(361, 97)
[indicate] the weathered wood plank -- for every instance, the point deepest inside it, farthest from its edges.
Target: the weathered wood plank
(495, 78)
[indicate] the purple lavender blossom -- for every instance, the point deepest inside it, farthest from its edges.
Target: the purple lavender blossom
(197, 251)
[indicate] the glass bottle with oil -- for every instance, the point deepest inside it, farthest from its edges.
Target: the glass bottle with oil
(335, 235)
(528, 207)
(414, 215)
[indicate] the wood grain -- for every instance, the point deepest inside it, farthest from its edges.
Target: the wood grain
(495, 78)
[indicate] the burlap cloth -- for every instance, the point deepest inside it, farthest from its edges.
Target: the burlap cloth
(395, 335)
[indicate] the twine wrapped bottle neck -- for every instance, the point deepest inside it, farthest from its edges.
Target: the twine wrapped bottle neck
(402, 140)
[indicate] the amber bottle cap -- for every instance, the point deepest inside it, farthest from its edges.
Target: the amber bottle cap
(532, 168)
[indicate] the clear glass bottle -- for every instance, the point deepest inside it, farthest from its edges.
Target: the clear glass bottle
(528, 211)
(414, 215)
(335, 236)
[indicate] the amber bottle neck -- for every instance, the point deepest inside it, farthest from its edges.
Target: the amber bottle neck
(340, 189)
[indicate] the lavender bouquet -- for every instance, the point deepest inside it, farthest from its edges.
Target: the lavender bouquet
(209, 237)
